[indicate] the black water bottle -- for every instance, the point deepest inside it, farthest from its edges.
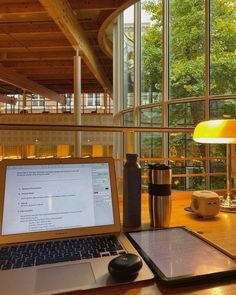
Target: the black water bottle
(131, 192)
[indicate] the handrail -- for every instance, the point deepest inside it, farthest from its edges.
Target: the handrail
(51, 127)
(127, 131)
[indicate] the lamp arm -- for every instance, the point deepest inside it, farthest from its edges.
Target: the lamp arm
(228, 170)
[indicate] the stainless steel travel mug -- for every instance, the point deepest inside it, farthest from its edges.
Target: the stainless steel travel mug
(159, 187)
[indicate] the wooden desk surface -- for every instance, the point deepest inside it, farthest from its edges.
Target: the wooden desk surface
(220, 230)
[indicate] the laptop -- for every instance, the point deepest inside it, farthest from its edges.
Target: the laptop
(46, 204)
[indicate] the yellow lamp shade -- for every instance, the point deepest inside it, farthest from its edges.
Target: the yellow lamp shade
(215, 131)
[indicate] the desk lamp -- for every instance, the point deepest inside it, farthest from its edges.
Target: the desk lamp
(220, 131)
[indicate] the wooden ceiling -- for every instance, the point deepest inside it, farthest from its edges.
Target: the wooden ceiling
(39, 38)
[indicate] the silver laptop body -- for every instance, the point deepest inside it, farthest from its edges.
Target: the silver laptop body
(59, 199)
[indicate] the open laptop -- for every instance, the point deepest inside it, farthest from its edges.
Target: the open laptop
(49, 203)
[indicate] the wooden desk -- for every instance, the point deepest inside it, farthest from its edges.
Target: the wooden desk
(221, 230)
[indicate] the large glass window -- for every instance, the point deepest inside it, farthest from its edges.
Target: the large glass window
(128, 57)
(223, 46)
(187, 45)
(185, 78)
(151, 51)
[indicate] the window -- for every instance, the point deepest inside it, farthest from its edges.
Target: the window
(128, 49)
(186, 73)
(223, 47)
(151, 52)
(187, 45)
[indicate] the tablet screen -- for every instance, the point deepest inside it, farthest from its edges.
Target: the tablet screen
(177, 253)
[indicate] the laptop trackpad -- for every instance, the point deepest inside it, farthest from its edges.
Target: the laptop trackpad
(64, 277)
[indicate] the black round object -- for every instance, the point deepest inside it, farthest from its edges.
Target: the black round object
(125, 266)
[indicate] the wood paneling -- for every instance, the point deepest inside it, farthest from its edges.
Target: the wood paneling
(36, 33)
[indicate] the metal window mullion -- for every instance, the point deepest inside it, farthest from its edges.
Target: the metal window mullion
(118, 93)
(207, 82)
(121, 76)
(137, 72)
(165, 90)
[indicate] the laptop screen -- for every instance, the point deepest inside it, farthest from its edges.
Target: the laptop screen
(46, 197)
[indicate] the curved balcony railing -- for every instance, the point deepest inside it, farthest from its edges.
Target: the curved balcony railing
(127, 132)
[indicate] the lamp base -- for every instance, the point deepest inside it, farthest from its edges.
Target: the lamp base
(228, 203)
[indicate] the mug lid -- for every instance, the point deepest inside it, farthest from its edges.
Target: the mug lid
(158, 167)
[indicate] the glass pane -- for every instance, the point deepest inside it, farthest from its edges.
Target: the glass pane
(151, 117)
(187, 45)
(151, 51)
(196, 183)
(188, 183)
(151, 142)
(186, 159)
(182, 145)
(128, 137)
(186, 114)
(223, 109)
(128, 57)
(217, 182)
(128, 119)
(151, 145)
(223, 47)
(178, 183)
(218, 165)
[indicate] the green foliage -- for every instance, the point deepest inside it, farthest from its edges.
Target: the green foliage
(151, 145)
(223, 49)
(152, 44)
(187, 62)
(223, 109)
(187, 47)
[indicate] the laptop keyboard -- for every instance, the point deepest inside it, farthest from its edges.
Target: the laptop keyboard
(30, 254)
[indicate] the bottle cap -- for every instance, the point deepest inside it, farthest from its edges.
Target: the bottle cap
(131, 156)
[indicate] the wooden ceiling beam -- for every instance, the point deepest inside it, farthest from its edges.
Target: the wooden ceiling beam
(19, 17)
(39, 27)
(44, 63)
(43, 49)
(30, 28)
(88, 5)
(38, 77)
(39, 64)
(49, 80)
(11, 77)
(36, 7)
(22, 11)
(27, 56)
(63, 15)
(21, 7)
(36, 45)
(33, 43)
(11, 57)
(29, 72)
(57, 76)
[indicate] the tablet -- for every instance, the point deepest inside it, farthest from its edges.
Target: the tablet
(177, 255)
